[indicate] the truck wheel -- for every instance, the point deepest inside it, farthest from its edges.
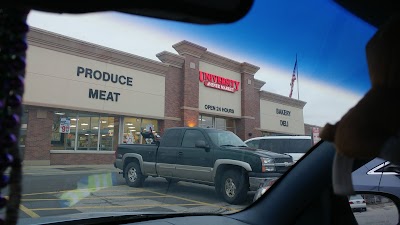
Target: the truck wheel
(133, 175)
(234, 187)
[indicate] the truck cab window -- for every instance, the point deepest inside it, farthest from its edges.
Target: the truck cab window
(190, 138)
(171, 138)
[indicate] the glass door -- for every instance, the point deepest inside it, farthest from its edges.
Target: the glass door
(220, 123)
(217, 122)
(206, 121)
(88, 132)
(107, 129)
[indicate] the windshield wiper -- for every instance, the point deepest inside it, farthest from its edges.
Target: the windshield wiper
(228, 146)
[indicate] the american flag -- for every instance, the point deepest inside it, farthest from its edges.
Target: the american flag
(293, 78)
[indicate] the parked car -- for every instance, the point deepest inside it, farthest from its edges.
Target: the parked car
(378, 175)
(295, 146)
(357, 203)
(202, 155)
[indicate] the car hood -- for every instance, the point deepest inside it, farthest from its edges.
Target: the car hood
(265, 153)
(259, 152)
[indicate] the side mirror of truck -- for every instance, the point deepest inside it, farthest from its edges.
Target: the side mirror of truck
(202, 144)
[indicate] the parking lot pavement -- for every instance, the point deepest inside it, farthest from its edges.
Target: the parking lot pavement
(68, 169)
(157, 196)
(382, 214)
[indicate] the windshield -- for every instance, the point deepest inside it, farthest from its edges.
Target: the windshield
(102, 89)
(226, 138)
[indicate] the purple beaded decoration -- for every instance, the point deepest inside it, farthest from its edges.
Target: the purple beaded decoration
(13, 46)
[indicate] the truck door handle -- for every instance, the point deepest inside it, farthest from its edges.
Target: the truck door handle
(180, 153)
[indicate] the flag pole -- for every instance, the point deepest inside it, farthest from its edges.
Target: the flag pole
(298, 91)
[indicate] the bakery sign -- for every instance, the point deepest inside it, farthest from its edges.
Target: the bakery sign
(218, 82)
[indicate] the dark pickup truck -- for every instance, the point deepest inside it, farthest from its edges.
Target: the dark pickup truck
(202, 155)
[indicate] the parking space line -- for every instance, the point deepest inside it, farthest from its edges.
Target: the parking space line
(113, 206)
(95, 198)
(191, 200)
(107, 190)
(29, 212)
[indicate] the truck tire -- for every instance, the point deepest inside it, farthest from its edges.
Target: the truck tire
(133, 175)
(233, 187)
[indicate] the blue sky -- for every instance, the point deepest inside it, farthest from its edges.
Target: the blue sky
(329, 42)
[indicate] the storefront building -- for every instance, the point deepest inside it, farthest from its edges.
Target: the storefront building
(81, 100)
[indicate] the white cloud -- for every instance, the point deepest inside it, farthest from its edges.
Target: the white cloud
(108, 30)
(325, 103)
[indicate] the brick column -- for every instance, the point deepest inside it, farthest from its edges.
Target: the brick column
(247, 125)
(257, 89)
(38, 137)
(174, 80)
(190, 107)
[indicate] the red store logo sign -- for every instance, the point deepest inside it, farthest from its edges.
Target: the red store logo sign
(217, 82)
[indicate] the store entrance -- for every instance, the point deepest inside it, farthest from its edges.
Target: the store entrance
(207, 121)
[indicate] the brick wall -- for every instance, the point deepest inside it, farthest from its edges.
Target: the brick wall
(174, 92)
(191, 91)
(38, 134)
(257, 115)
(168, 124)
(250, 104)
(81, 159)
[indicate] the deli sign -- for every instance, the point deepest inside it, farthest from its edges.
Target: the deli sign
(218, 82)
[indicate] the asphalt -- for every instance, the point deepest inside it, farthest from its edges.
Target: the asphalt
(67, 169)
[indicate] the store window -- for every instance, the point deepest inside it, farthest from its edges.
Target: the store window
(83, 131)
(63, 130)
(134, 126)
(206, 121)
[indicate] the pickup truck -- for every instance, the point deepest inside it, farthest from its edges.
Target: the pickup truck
(202, 155)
